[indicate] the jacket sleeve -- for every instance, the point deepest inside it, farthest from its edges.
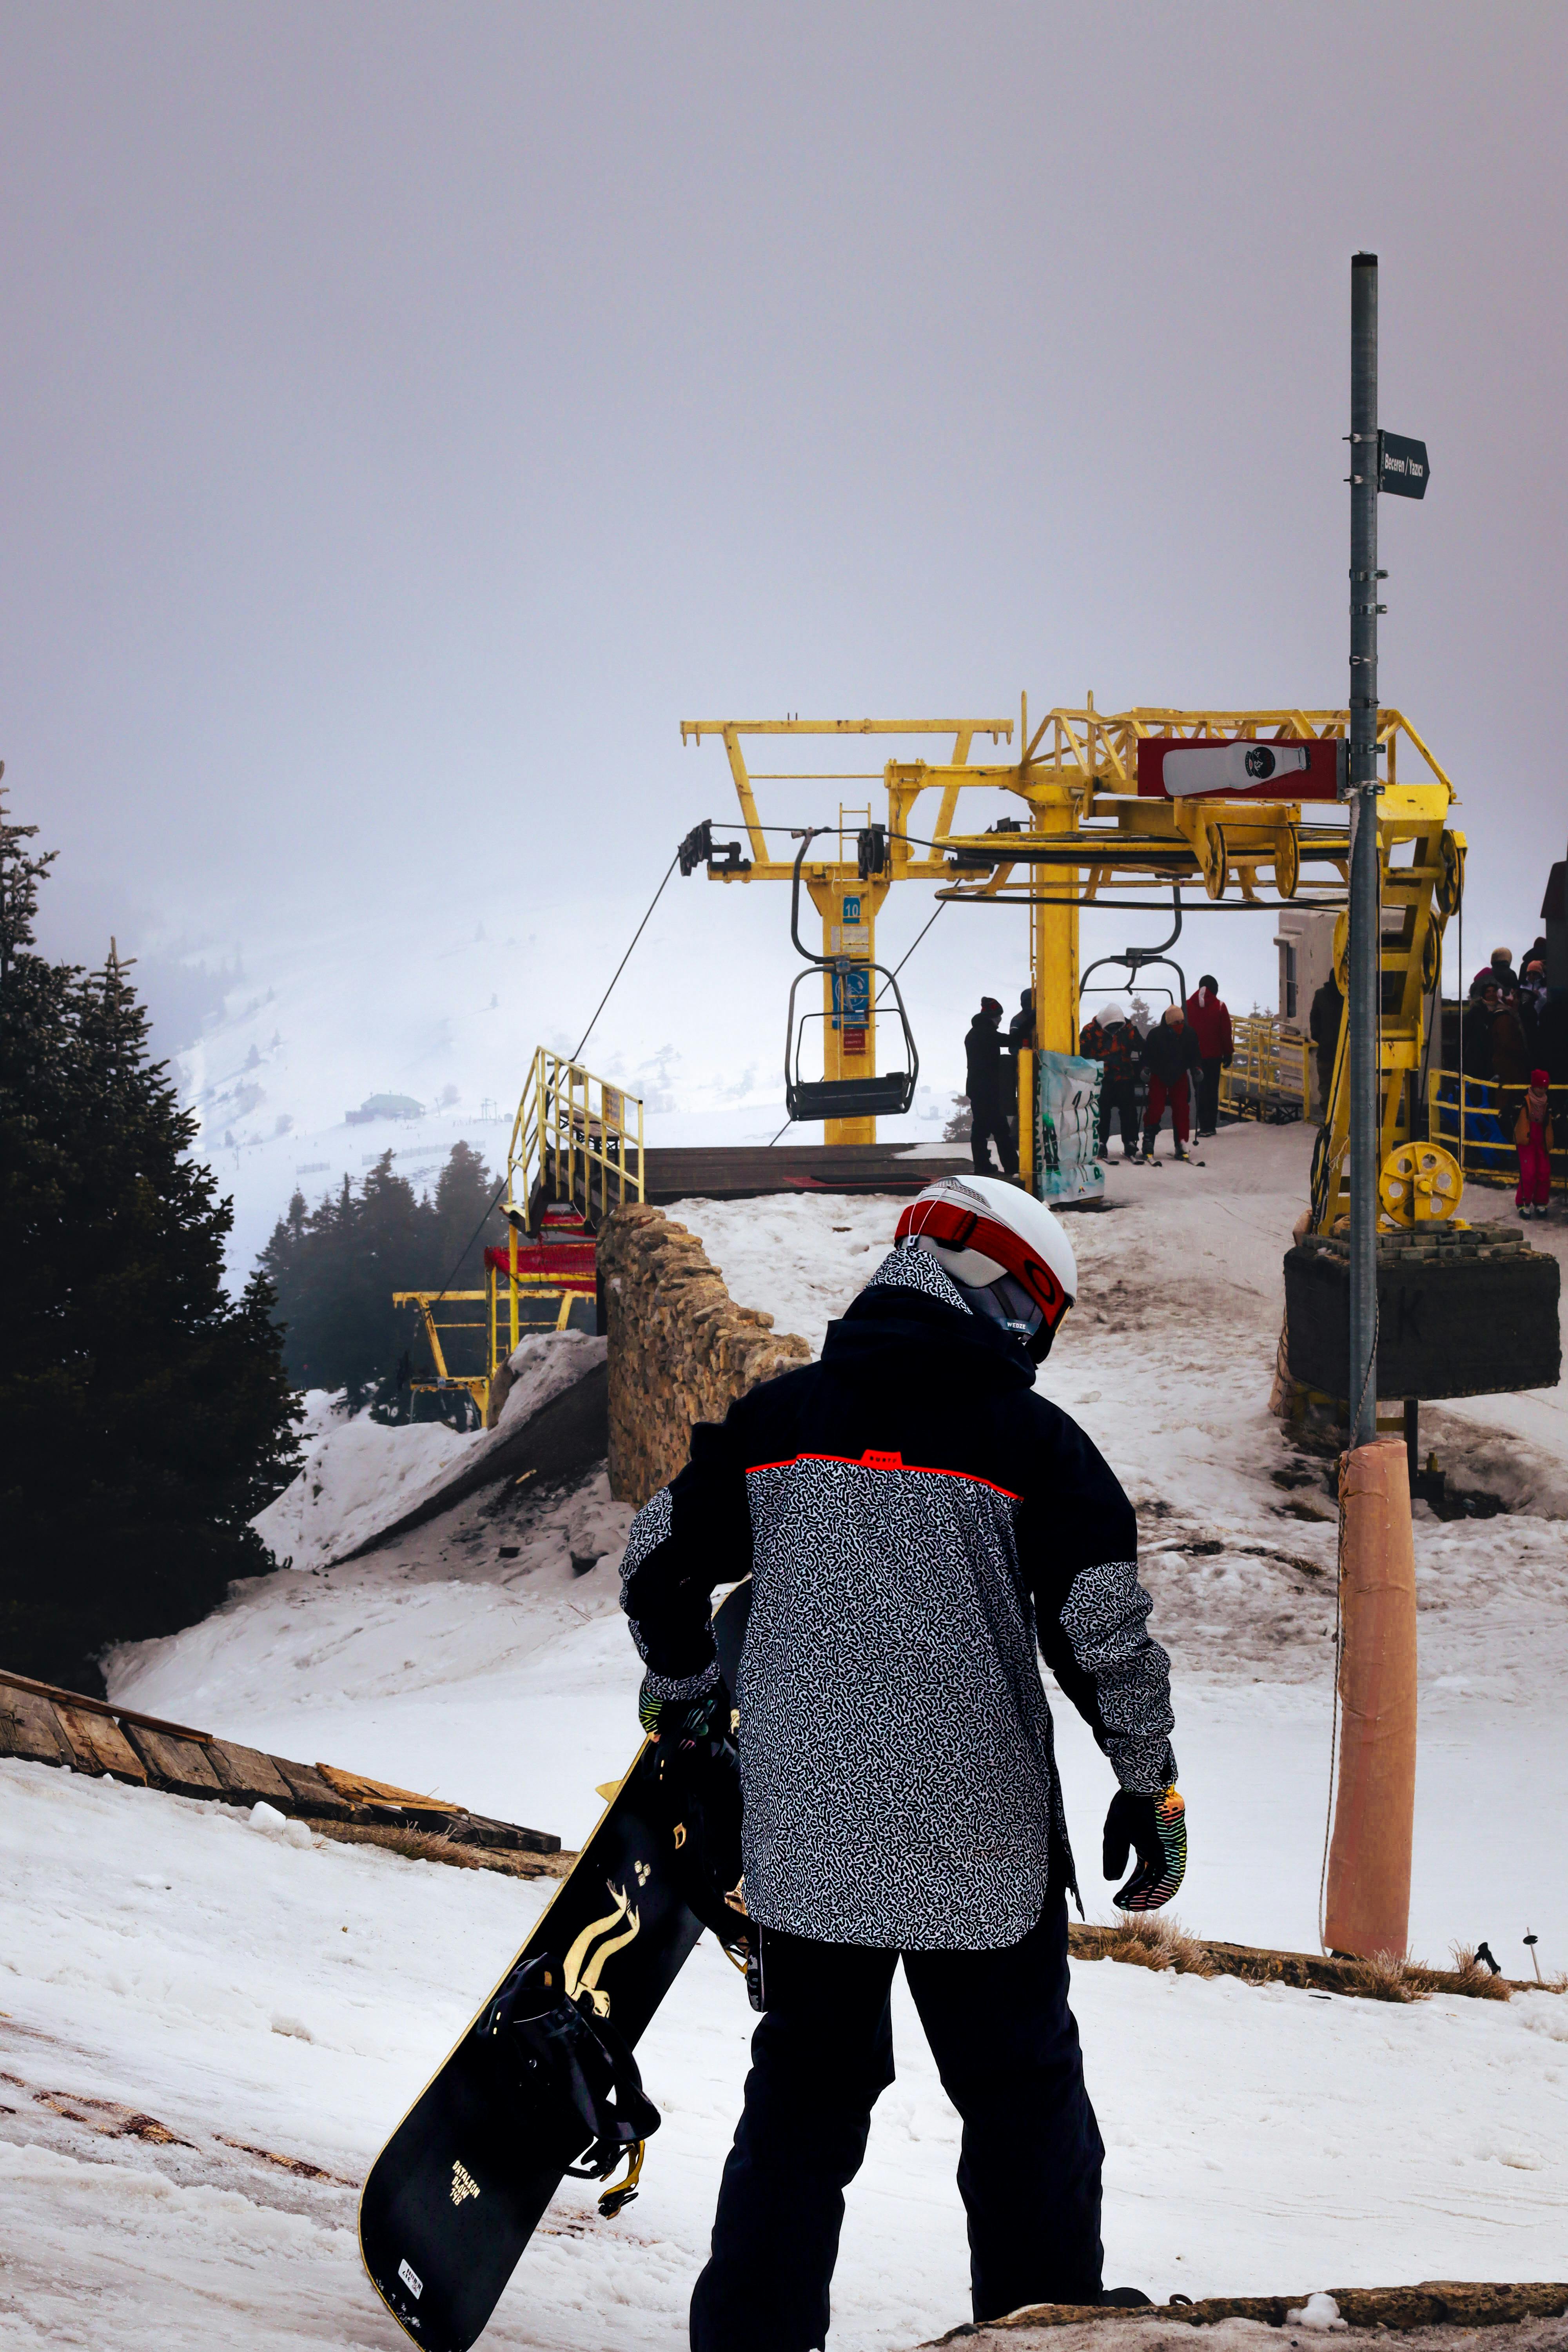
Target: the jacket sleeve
(1079, 1545)
(694, 1534)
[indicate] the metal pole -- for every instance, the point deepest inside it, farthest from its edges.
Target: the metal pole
(1365, 945)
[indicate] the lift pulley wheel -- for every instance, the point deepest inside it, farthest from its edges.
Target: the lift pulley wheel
(1421, 1184)
(1451, 885)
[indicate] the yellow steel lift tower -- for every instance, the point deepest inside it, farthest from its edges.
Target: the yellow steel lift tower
(1104, 813)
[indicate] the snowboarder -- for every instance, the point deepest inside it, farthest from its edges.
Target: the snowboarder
(1208, 1018)
(1170, 1056)
(915, 1519)
(982, 1083)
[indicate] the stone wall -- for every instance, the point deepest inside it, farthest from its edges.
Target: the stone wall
(681, 1351)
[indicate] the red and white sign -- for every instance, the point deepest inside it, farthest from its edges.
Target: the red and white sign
(1217, 768)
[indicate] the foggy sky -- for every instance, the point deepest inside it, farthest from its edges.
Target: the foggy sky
(412, 412)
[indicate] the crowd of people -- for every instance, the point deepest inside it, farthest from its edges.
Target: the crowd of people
(1174, 1062)
(1504, 1018)
(1502, 1033)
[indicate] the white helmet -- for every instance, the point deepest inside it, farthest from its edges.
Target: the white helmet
(1110, 1014)
(1003, 1248)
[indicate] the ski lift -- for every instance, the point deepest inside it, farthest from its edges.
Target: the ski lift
(1136, 960)
(885, 1097)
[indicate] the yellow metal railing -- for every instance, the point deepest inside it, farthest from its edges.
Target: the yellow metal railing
(1270, 1074)
(1487, 1150)
(503, 1323)
(509, 1292)
(573, 1130)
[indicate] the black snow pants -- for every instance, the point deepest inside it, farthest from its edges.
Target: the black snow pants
(1208, 1094)
(1120, 1095)
(987, 1118)
(1007, 2051)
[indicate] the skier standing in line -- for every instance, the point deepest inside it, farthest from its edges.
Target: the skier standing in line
(1208, 1018)
(1111, 1040)
(982, 1083)
(916, 1518)
(1170, 1056)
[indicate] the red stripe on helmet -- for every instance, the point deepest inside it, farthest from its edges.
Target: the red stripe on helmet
(953, 1227)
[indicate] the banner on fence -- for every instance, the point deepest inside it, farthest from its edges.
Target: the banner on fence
(1067, 1165)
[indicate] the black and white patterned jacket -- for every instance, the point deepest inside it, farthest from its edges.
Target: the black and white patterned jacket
(913, 1514)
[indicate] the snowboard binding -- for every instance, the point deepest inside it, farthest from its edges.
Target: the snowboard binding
(579, 2072)
(697, 1772)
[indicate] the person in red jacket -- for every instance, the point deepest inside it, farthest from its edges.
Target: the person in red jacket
(1210, 1023)
(1532, 1134)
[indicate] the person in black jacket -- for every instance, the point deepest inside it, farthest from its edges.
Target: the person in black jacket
(1323, 1025)
(917, 1522)
(1111, 1039)
(1476, 1027)
(1170, 1055)
(984, 1068)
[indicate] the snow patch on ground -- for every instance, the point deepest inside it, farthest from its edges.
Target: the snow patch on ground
(359, 1475)
(545, 1366)
(355, 1477)
(799, 1258)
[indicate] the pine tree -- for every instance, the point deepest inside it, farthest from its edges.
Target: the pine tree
(467, 1218)
(335, 1267)
(144, 1417)
(20, 875)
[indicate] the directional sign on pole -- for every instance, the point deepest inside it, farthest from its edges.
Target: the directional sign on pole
(1402, 466)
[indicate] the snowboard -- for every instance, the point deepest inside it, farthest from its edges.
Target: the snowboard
(450, 2203)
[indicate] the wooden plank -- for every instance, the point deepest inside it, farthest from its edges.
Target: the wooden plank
(310, 1793)
(731, 1173)
(177, 1764)
(30, 1728)
(247, 1773)
(96, 1705)
(503, 1837)
(101, 1746)
(361, 1791)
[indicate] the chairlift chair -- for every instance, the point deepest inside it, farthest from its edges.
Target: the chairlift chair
(888, 1095)
(1136, 960)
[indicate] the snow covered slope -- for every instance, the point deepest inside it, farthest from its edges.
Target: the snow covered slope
(168, 1971)
(472, 1655)
(358, 1478)
(165, 1956)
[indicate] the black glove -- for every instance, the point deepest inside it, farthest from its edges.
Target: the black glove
(699, 1777)
(1155, 1827)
